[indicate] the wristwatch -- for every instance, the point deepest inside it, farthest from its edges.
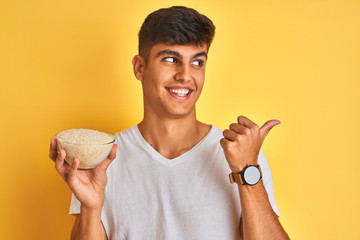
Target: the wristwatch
(250, 175)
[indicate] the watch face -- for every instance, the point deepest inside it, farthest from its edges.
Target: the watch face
(252, 175)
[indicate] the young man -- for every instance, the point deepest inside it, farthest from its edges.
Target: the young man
(170, 176)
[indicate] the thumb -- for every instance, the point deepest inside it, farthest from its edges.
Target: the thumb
(265, 129)
(104, 165)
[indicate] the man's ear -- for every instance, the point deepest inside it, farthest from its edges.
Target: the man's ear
(138, 67)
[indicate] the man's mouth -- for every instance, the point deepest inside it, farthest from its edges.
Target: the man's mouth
(180, 92)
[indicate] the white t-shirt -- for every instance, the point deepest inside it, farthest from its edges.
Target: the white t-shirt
(189, 197)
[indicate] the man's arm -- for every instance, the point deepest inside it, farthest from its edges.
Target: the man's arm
(88, 186)
(75, 227)
(258, 220)
(88, 225)
(241, 144)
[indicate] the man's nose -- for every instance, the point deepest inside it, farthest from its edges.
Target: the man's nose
(183, 74)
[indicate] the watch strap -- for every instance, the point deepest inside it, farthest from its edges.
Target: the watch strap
(235, 178)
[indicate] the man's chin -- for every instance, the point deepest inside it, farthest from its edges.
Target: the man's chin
(180, 113)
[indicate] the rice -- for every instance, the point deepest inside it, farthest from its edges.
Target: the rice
(91, 147)
(84, 136)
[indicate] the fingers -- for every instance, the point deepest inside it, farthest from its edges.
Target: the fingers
(73, 169)
(60, 164)
(246, 122)
(53, 149)
(60, 159)
(265, 129)
(224, 143)
(105, 164)
(240, 129)
(245, 126)
(229, 135)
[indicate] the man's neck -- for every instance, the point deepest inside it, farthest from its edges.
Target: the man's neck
(172, 137)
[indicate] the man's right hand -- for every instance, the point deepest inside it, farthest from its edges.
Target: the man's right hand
(88, 186)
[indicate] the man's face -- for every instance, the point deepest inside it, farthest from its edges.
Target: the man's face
(173, 79)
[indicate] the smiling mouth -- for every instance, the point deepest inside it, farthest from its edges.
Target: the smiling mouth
(180, 92)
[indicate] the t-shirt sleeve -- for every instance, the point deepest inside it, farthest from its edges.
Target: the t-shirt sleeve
(74, 205)
(267, 180)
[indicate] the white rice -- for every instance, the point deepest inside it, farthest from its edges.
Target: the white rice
(84, 136)
(91, 147)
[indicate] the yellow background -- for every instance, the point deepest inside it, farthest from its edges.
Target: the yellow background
(67, 64)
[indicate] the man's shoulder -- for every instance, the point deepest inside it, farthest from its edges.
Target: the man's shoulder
(216, 128)
(128, 135)
(213, 137)
(216, 131)
(126, 131)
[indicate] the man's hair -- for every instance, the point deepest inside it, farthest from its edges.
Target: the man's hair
(176, 25)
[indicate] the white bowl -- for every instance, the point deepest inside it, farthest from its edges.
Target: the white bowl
(91, 147)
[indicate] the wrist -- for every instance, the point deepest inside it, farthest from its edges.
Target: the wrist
(95, 206)
(249, 175)
(240, 165)
(90, 226)
(90, 212)
(236, 169)
(92, 203)
(251, 188)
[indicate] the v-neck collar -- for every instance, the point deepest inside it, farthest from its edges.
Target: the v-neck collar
(161, 158)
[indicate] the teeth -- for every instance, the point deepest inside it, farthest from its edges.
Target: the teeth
(180, 92)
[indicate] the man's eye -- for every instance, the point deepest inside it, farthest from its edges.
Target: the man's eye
(198, 63)
(170, 59)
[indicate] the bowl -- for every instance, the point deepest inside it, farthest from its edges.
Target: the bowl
(91, 147)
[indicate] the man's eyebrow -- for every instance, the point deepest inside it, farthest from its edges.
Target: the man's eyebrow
(168, 52)
(174, 53)
(200, 54)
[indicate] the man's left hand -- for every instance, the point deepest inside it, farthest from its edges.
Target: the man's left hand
(242, 142)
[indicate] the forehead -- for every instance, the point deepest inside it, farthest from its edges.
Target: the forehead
(186, 51)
